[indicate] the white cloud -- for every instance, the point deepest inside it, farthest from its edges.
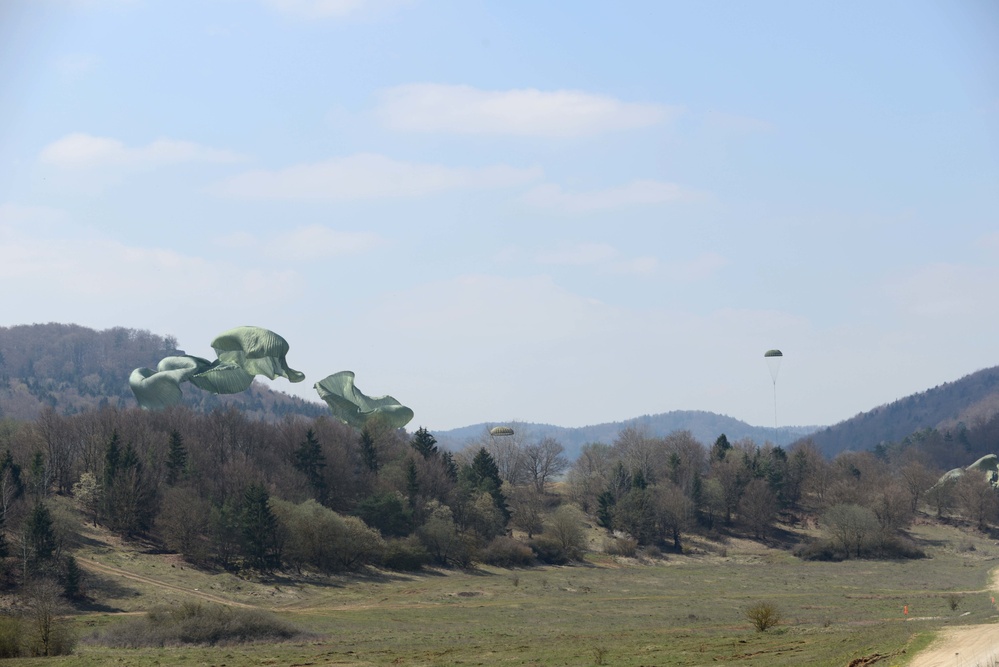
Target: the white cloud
(80, 150)
(602, 256)
(645, 192)
(736, 124)
(580, 254)
(305, 243)
(331, 9)
(990, 242)
(698, 268)
(952, 292)
(636, 265)
(88, 279)
(71, 271)
(609, 259)
(367, 176)
(35, 216)
(427, 107)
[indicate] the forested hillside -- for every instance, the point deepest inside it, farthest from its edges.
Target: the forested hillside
(70, 369)
(951, 409)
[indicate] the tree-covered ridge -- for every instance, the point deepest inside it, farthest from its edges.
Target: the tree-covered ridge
(71, 368)
(951, 408)
(703, 425)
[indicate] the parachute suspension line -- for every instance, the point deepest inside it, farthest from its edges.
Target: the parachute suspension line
(776, 432)
(773, 359)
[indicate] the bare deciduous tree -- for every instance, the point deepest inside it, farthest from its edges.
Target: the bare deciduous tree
(852, 526)
(544, 461)
(976, 498)
(758, 507)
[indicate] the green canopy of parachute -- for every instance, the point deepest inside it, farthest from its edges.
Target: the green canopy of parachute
(354, 408)
(500, 431)
(243, 353)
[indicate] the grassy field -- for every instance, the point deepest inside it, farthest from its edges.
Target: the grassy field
(684, 610)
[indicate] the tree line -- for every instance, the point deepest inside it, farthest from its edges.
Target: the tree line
(313, 494)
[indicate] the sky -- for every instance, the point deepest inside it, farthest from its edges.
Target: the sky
(567, 212)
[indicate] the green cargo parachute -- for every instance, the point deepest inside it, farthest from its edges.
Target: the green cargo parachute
(243, 353)
(352, 407)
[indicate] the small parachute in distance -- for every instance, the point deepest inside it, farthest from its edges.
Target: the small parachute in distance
(500, 431)
(773, 358)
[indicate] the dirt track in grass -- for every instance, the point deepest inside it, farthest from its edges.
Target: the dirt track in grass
(94, 566)
(967, 646)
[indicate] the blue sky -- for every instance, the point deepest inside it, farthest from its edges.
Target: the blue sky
(563, 212)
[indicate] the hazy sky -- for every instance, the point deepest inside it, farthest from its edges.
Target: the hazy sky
(569, 212)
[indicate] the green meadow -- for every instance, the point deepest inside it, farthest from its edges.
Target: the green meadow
(675, 610)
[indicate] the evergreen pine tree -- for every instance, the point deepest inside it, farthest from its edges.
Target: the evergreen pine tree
(176, 458)
(72, 580)
(450, 467)
(605, 509)
(369, 453)
(39, 476)
(259, 528)
(424, 443)
(720, 448)
(127, 499)
(310, 461)
(40, 537)
(412, 482)
(483, 475)
(112, 459)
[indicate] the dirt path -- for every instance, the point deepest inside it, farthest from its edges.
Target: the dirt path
(108, 569)
(968, 646)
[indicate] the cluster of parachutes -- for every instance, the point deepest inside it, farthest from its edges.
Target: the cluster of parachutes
(245, 352)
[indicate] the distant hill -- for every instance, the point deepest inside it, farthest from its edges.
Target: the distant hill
(954, 406)
(704, 426)
(73, 368)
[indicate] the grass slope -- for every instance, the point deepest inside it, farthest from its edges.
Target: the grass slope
(685, 610)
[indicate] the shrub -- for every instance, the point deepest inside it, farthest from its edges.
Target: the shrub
(441, 538)
(406, 555)
(822, 550)
(899, 547)
(194, 623)
(651, 552)
(386, 512)
(893, 547)
(550, 551)
(763, 615)
(565, 526)
(621, 546)
(321, 538)
(10, 634)
(507, 552)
